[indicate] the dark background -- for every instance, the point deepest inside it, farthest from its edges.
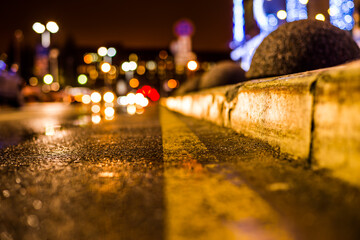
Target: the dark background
(134, 24)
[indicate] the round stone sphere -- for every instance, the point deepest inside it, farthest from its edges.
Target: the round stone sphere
(302, 46)
(223, 73)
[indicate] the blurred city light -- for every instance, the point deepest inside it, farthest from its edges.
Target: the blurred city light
(239, 22)
(132, 65)
(109, 111)
(95, 108)
(133, 57)
(131, 109)
(105, 67)
(134, 83)
(102, 51)
(125, 66)
(122, 100)
(52, 27)
(33, 81)
(46, 88)
(82, 79)
(140, 70)
(38, 28)
(131, 98)
(96, 119)
(151, 65)
(88, 58)
(304, 2)
(281, 14)
(111, 52)
(95, 97)
(93, 74)
(55, 86)
(86, 99)
(341, 14)
(48, 79)
(296, 10)
(172, 83)
(320, 17)
(192, 65)
(109, 97)
(163, 54)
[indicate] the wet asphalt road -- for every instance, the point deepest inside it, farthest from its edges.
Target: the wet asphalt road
(158, 175)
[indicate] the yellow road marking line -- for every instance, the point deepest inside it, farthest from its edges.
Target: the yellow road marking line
(204, 205)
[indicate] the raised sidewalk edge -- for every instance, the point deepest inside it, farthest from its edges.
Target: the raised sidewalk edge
(312, 117)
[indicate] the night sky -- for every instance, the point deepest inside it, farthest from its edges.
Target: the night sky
(133, 23)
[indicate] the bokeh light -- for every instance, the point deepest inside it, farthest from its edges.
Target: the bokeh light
(192, 65)
(109, 111)
(163, 54)
(38, 28)
(281, 14)
(122, 101)
(82, 79)
(304, 1)
(134, 83)
(48, 79)
(132, 65)
(133, 57)
(172, 83)
(86, 99)
(151, 65)
(95, 108)
(105, 67)
(52, 27)
(320, 17)
(140, 70)
(111, 52)
(95, 97)
(55, 86)
(125, 66)
(102, 51)
(33, 81)
(109, 97)
(96, 119)
(131, 109)
(131, 98)
(88, 58)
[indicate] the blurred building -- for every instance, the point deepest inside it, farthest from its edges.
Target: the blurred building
(253, 20)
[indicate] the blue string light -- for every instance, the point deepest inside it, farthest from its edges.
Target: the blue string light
(239, 23)
(341, 14)
(296, 10)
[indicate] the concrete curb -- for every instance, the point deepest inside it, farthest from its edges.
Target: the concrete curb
(312, 117)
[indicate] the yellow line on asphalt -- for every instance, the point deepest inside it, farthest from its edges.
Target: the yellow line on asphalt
(201, 204)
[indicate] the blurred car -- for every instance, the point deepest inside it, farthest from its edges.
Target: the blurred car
(10, 89)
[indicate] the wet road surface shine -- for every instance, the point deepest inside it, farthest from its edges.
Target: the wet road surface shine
(158, 175)
(201, 204)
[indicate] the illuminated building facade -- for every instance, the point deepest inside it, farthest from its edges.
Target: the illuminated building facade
(269, 14)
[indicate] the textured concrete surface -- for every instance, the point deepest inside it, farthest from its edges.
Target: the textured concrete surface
(336, 137)
(312, 117)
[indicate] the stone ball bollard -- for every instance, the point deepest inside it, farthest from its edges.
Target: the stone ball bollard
(302, 46)
(223, 73)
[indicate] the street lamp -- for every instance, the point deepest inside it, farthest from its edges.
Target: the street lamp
(51, 27)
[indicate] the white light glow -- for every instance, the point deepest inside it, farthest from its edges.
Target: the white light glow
(52, 27)
(48, 79)
(102, 51)
(95, 97)
(38, 28)
(109, 97)
(109, 111)
(111, 52)
(125, 66)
